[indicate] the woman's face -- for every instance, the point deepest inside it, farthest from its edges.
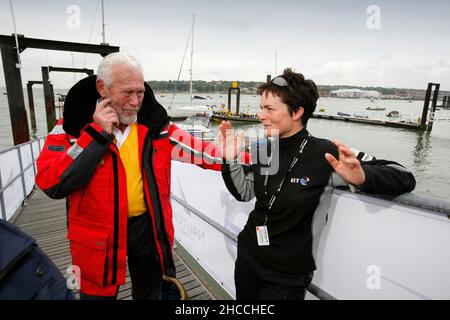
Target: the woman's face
(276, 119)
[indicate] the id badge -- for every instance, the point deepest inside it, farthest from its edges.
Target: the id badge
(262, 235)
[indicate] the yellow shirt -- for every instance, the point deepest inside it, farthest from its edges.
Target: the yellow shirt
(129, 153)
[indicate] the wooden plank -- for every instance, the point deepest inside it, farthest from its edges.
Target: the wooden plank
(191, 285)
(203, 296)
(45, 220)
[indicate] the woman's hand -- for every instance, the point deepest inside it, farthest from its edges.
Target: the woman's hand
(229, 143)
(348, 167)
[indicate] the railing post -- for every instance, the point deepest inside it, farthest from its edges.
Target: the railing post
(32, 157)
(2, 199)
(24, 189)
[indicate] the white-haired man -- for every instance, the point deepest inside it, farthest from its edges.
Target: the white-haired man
(110, 156)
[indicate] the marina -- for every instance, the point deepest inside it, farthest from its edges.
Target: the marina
(371, 247)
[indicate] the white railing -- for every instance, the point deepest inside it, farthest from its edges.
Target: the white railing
(17, 174)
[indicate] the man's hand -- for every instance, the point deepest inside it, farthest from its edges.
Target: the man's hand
(105, 116)
(348, 167)
(229, 144)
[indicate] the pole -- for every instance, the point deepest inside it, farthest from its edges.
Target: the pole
(31, 105)
(19, 63)
(433, 105)
(13, 82)
(276, 53)
(49, 100)
(426, 105)
(103, 22)
(192, 55)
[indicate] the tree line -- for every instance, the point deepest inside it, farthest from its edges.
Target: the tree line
(251, 87)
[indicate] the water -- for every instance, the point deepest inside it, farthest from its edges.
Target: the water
(426, 154)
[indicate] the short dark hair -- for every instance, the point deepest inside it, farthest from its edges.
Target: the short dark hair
(300, 93)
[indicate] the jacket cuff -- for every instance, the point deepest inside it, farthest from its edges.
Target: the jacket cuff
(367, 185)
(99, 134)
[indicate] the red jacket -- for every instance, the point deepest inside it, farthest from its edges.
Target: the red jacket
(89, 172)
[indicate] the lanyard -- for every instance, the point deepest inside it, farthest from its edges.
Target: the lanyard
(277, 191)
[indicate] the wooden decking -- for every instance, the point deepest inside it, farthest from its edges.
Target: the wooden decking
(45, 220)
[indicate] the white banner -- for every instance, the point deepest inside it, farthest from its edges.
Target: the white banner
(369, 249)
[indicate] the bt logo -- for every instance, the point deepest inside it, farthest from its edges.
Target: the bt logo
(303, 181)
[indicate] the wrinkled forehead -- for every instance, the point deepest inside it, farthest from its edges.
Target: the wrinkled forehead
(126, 76)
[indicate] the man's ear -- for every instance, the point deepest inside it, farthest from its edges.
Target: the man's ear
(296, 115)
(101, 88)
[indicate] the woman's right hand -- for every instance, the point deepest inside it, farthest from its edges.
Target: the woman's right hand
(229, 144)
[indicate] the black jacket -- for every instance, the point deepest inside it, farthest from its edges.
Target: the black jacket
(300, 210)
(26, 273)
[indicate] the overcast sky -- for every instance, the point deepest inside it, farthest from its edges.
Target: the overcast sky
(355, 42)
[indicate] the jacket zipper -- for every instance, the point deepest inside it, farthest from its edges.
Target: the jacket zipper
(116, 218)
(161, 236)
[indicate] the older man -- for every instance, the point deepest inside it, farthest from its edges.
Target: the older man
(110, 157)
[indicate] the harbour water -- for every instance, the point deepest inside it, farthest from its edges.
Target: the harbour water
(425, 153)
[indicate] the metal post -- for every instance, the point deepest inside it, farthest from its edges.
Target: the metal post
(229, 99)
(49, 102)
(268, 78)
(426, 105)
(31, 105)
(433, 105)
(24, 189)
(238, 100)
(32, 158)
(13, 81)
(39, 152)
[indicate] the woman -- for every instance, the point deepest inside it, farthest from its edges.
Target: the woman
(275, 249)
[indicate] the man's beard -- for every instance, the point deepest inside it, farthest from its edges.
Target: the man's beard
(127, 120)
(123, 118)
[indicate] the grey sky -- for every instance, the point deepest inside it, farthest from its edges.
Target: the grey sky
(328, 41)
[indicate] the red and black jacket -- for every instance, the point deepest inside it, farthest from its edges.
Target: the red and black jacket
(80, 162)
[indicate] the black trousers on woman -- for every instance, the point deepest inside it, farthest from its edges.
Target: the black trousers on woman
(255, 281)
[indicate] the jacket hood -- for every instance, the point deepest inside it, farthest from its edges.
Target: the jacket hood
(80, 102)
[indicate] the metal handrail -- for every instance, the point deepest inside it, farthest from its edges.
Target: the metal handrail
(313, 289)
(23, 144)
(21, 174)
(205, 218)
(435, 205)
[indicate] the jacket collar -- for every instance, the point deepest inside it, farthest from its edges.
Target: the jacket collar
(80, 102)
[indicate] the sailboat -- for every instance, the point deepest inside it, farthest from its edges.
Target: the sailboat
(191, 107)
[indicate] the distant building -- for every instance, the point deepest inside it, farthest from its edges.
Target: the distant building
(355, 93)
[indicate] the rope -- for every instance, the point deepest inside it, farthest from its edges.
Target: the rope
(19, 62)
(181, 67)
(90, 34)
(73, 67)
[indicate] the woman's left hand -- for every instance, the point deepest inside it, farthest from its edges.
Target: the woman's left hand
(348, 167)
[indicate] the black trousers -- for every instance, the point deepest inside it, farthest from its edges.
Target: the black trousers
(143, 261)
(255, 281)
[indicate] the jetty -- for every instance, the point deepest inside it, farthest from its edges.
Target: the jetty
(45, 220)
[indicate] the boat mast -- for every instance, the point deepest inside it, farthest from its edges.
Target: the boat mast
(276, 54)
(103, 22)
(192, 55)
(19, 62)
